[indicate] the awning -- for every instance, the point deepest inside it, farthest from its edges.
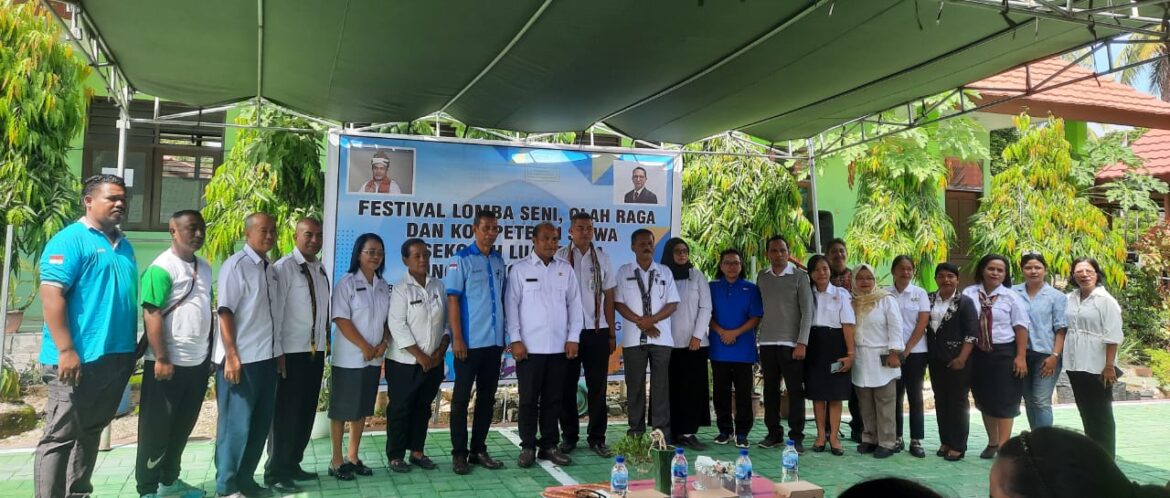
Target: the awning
(664, 70)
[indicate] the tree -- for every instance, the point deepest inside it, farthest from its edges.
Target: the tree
(900, 180)
(738, 201)
(277, 172)
(1034, 205)
(42, 107)
(1132, 193)
(1157, 71)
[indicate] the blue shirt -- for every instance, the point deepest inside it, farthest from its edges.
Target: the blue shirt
(1047, 313)
(733, 304)
(100, 283)
(478, 280)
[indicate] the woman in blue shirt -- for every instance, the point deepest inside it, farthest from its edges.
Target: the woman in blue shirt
(736, 310)
(1046, 308)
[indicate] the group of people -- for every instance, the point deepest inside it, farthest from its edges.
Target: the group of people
(829, 334)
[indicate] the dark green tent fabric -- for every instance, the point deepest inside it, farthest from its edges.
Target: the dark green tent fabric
(666, 70)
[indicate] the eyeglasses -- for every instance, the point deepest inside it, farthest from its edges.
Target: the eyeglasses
(373, 252)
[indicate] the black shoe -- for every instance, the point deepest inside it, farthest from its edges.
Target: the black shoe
(459, 465)
(527, 458)
(865, 448)
(567, 447)
(818, 448)
(601, 450)
(882, 452)
(692, 442)
(285, 488)
(837, 451)
(301, 475)
(742, 442)
(423, 463)
(343, 472)
(916, 450)
(360, 469)
(942, 451)
(723, 439)
(955, 457)
(555, 456)
(399, 465)
(255, 491)
(799, 447)
(899, 445)
(485, 460)
(770, 442)
(989, 452)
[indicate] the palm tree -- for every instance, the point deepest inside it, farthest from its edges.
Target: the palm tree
(1157, 71)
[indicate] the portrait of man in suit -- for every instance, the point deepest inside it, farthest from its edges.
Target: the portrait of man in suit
(640, 194)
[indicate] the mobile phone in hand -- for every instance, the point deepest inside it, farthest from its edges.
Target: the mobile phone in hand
(836, 367)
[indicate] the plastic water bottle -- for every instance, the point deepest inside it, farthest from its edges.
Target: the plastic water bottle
(791, 459)
(619, 478)
(743, 474)
(678, 475)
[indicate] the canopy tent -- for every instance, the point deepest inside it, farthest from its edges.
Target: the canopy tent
(661, 70)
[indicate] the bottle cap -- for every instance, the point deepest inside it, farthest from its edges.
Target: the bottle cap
(790, 442)
(621, 459)
(678, 451)
(743, 451)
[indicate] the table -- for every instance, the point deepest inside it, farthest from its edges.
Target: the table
(761, 487)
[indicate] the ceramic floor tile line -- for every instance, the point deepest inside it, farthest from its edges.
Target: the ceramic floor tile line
(556, 472)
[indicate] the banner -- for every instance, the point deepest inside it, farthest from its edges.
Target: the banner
(403, 187)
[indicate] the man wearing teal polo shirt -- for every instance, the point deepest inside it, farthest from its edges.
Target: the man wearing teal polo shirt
(89, 289)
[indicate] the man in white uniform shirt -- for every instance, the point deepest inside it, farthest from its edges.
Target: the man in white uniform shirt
(543, 304)
(598, 340)
(646, 297)
(302, 321)
(248, 355)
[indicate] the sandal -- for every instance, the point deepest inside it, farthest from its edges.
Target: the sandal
(360, 469)
(344, 472)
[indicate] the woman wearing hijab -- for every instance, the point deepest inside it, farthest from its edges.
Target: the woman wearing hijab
(1000, 359)
(951, 334)
(689, 399)
(878, 344)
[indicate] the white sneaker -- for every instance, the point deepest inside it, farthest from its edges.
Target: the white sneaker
(180, 489)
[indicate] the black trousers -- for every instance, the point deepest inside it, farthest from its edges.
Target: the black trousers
(726, 377)
(481, 369)
(541, 379)
(777, 364)
(411, 392)
(167, 413)
(951, 403)
(593, 356)
(910, 386)
(296, 405)
(690, 401)
(1095, 403)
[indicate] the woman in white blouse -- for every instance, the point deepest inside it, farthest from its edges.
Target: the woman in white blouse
(912, 303)
(877, 366)
(361, 303)
(999, 363)
(1090, 350)
(415, 357)
(690, 403)
(827, 380)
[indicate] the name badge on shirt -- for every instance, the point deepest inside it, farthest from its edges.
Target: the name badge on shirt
(416, 302)
(632, 279)
(531, 280)
(359, 289)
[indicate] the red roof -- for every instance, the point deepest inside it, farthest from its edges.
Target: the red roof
(1099, 100)
(1154, 149)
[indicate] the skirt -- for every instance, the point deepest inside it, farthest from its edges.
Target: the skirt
(352, 392)
(997, 391)
(825, 346)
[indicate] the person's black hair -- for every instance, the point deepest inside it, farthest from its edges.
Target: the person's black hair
(984, 261)
(774, 238)
(680, 272)
(1051, 462)
(719, 270)
(1092, 262)
(834, 242)
(581, 215)
(900, 258)
(640, 232)
(355, 257)
(946, 266)
(484, 213)
(95, 181)
(812, 266)
(636, 168)
(1033, 256)
(183, 213)
(889, 486)
(406, 246)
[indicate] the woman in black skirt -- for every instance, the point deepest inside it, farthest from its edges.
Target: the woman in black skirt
(1000, 359)
(830, 353)
(950, 337)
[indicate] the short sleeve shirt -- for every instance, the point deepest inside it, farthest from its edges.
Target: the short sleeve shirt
(418, 317)
(367, 305)
(1047, 312)
(100, 283)
(911, 302)
(834, 308)
(248, 287)
(732, 305)
(661, 290)
(184, 289)
(1008, 312)
(478, 280)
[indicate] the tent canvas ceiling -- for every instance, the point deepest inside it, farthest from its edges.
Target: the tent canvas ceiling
(667, 70)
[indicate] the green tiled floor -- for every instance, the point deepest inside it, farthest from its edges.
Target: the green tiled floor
(1142, 435)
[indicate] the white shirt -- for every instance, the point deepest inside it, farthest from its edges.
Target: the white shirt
(187, 329)
(911, 302)
(248, 287)
(693, 316)
(367, 305)
(1093, 323)
(662, 292)
(582, 264)
(543, 305)
(789, 268)
(294, 312)
(1009, 311)
(940, 309)
(879, 332)
(834, 307)
(418, 317)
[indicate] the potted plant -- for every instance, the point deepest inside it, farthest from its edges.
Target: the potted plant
(321, 419)
(19, 301)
